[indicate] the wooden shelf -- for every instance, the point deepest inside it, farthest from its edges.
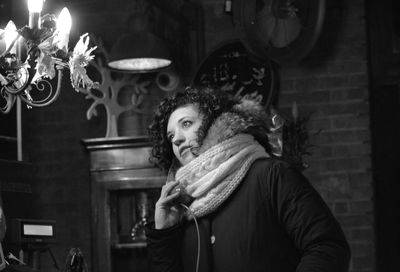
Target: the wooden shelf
(119, 169)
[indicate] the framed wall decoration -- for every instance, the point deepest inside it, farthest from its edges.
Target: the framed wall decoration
(282, 30)
(231, 68)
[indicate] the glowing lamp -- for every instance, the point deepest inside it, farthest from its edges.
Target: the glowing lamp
(64, 23)
(35, 6)
(35, 77)
(10, 37)
(139, 52)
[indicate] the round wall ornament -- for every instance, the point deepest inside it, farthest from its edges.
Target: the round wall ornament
(284, 31)
(231, 68)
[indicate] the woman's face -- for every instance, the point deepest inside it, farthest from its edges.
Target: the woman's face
(182, 132)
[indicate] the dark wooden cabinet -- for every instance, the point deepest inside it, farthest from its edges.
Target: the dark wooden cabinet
(121, 179)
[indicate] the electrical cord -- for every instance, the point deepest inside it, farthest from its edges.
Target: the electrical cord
(198, 234)
(11, 256)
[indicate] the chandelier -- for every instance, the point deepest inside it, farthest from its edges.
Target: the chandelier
(35, 56)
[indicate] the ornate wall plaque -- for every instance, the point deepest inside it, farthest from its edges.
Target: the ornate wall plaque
(231, 68)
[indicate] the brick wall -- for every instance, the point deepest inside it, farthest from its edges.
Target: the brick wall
(331, 84)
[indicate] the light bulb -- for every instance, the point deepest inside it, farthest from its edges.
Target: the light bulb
(64, 21)
(63, 27)
(35, 5)
(10, 35)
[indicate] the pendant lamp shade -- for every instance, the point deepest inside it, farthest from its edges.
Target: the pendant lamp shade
(139, 52)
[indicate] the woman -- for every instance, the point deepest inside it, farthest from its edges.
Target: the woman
(255, 213)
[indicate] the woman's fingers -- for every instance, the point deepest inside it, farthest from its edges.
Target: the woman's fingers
(167, 188)
(171, 197)
(167, 213)
(168, 194)
(166, 201)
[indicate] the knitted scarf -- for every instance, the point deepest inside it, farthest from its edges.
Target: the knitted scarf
(213, 176)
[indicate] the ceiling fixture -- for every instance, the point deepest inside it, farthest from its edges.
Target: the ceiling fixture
(139, 52)
(139, 49)
(36, 55)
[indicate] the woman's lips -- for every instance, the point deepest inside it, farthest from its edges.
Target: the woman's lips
(184, 150)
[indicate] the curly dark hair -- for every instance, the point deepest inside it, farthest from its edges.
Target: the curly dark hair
(211, 103)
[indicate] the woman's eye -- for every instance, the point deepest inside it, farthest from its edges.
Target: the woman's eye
(186, 124)
(170, 137)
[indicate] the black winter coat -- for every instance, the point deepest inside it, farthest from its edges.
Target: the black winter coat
(274, 222)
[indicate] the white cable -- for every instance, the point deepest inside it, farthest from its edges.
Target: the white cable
(198, 235)
(12, 257)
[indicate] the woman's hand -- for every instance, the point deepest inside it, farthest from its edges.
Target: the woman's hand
(167, 213)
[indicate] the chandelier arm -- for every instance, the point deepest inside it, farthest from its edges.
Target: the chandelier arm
(18, 90)
(10, 99)
(48, 100)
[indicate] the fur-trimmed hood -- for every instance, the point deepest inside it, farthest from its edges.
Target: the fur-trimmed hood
(248, 116)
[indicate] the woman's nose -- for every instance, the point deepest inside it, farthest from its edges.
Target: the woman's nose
(178, 139)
